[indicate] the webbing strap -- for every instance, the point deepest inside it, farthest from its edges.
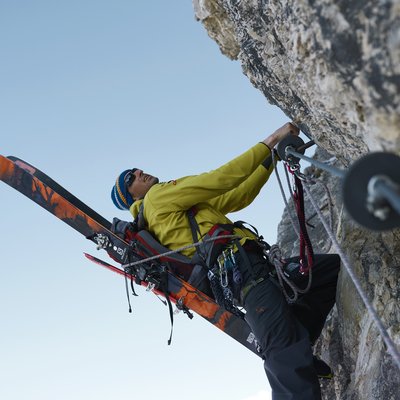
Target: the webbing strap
(245, 258)
(139, 222)
(260, 239)
(305, 242)
(164, 288)
(194, 227)
(241, 224)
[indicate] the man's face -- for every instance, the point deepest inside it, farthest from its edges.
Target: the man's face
(139, 183)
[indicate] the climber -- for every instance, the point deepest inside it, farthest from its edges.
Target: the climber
(285, 332)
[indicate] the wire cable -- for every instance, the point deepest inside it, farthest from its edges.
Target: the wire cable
(391, 347)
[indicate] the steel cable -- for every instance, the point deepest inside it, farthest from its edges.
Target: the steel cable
(391, 347)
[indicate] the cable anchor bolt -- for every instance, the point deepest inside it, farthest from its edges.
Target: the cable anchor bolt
(376, 204)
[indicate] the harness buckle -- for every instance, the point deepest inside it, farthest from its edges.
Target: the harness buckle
(150, 286)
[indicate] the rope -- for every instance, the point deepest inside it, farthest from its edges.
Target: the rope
(284, 195)
(330, 202)
(391, 347)
(311, 181)
(168, 253)
(288, 181)
(275, 257)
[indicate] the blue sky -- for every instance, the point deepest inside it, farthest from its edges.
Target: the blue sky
(88, 89)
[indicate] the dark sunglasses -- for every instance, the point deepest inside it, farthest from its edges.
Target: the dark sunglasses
(130, 178)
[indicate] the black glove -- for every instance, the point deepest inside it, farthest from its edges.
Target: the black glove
(268, 161)
(119, 227)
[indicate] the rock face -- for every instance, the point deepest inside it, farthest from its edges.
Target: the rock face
(350, 341)
(334, 68)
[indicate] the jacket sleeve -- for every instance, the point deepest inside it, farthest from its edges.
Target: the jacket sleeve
(245, 193)
(187, 192)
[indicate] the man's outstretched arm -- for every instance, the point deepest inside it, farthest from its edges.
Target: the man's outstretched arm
(243, 195)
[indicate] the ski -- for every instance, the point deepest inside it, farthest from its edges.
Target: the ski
(47, 193)
(51, 183)
(106, 265)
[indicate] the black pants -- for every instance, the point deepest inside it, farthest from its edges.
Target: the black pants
(286, 332)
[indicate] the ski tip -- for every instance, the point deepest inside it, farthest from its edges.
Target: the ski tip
(22, 164)
(96, 260)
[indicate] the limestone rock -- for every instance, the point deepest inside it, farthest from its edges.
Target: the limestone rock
(334, 68)
(350, 342)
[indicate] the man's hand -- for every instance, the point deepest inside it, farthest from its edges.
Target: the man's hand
(281, 133)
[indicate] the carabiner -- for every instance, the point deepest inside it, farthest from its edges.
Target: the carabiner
(223, 273)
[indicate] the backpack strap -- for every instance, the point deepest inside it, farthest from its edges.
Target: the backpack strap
(139, 223)
(260, 239)
(194, 228)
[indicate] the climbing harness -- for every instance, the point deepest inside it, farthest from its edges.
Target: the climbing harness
(218, 260)
(371, 195)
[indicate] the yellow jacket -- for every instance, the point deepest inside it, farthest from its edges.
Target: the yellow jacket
(229, 188)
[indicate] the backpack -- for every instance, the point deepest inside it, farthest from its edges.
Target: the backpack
(193, 270)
